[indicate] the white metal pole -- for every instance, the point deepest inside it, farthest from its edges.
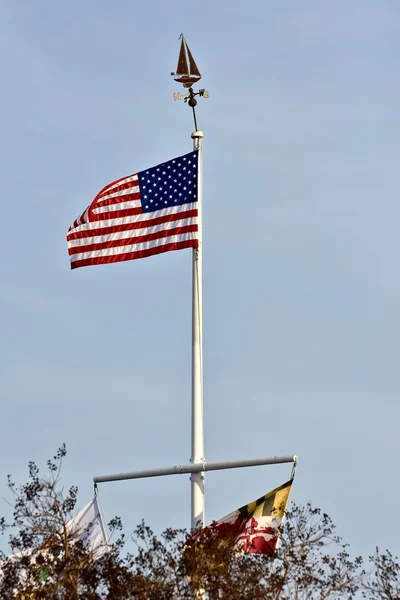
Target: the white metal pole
(197, 479)
(201, 466)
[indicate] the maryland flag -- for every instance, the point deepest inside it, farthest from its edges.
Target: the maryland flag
(256, 526)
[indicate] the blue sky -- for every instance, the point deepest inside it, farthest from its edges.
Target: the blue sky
(301, 246)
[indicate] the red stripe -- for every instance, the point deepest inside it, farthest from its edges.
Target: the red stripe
(164, 233)
(115, 214)
(124, 186)
(85, 233)
(118, 199)
(134, 255)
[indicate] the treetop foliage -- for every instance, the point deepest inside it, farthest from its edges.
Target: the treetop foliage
(48, 560)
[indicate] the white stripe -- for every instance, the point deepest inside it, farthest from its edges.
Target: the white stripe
(131, 233)
(135, 218)
(134, 247)
(115, 184)
(120, 206)
(132, 190)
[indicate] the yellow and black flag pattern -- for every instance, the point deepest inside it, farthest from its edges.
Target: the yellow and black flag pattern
(256, 525)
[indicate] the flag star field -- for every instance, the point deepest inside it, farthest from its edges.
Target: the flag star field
(171, 184)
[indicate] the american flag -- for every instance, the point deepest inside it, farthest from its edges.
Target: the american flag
(147, 213)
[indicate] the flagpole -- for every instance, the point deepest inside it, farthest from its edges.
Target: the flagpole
(188, 74)
(197, 479)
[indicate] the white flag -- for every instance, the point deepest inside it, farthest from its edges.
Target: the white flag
(88, 526)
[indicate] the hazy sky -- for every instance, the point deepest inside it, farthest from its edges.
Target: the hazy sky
(301, 252)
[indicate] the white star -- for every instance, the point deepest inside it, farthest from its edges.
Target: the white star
(153, 175)
(170, 196)
(145, 197)
(184, 188)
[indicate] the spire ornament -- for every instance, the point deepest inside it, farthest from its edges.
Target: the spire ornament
(187, 73)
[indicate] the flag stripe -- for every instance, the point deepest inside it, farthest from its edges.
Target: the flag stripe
(118, 184)
(111, 225)
(116, 206)
(127, 186)
(119, 214)
(102, 260)
(100, 236)
(115, 242)
(116, 198)
(132, 248)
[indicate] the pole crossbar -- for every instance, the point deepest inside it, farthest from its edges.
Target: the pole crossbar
(198, 468)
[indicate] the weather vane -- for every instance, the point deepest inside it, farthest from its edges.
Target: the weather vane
(188, 74)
